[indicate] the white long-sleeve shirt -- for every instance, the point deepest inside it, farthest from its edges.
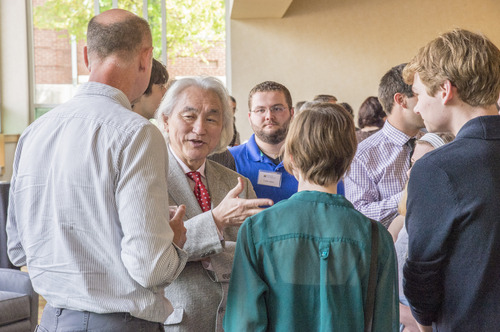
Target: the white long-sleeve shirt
(88, 209)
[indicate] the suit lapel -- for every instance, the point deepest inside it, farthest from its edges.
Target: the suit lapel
(179, 189)
(216, 185)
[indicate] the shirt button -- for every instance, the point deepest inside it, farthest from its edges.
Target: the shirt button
(324, 252)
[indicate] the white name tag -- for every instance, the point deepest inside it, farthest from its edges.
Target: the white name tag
(272, 179)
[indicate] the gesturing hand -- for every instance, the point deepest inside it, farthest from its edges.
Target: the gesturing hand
(232, 211)
(177, 225)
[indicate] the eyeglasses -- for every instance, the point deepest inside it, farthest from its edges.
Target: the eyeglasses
(277, 109)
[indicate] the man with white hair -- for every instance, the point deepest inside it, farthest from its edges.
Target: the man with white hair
(196, 118)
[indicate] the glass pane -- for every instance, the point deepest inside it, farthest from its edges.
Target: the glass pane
(195, 41)
(39, 111)
(58, 40)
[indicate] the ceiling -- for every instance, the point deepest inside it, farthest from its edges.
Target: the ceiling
(251, 9)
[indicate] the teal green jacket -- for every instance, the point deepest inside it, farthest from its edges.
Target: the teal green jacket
(303, 265)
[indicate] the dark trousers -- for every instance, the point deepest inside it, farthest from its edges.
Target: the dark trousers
(66, 320)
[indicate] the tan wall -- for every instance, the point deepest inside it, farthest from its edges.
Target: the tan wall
(14, 83)
(343, 47)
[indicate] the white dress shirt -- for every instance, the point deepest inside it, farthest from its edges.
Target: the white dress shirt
(88, 211)
(186, 170)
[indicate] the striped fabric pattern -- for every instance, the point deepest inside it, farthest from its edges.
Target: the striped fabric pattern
(88, 208)
(377, 176)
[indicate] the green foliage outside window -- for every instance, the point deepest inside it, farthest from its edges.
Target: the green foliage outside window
(193, 26)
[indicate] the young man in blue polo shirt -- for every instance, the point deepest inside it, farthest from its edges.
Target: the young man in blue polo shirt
(259, 159)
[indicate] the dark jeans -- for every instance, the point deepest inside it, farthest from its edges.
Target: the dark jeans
(66, 320)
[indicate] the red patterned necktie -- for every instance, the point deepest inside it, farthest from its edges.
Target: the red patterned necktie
(200, 191)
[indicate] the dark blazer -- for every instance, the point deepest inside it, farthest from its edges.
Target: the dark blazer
(198, 295)
(453, 222)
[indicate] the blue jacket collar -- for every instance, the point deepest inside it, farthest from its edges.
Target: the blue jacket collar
(484, 127)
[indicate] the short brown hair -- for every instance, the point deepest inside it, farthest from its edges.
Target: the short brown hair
(371, 113)
(470, 61)
(159, 75)
(391, 83)
(123, 37)
(321, 143)
(325, 98)
(270, 86)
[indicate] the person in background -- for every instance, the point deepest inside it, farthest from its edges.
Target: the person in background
(348, 108)
(225, 158)
(374, 184)
(325, 99)
(371, 118)
(451, 274)
(236, 136)
(197, 120)
(148, 103)
(88, 208)
(303, 264)
(298, 105)
(425, 144)
(259, 159)
(307, 105)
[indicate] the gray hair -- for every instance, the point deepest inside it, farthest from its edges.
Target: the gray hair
(207, 83)
(308, 104)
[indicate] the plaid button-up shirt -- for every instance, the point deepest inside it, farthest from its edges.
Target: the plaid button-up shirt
(375, 182)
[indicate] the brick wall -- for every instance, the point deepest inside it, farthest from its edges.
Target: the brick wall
(52, 52)
(52, 58)
(216, 65)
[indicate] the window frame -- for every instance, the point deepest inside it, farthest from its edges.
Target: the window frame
(97, 10)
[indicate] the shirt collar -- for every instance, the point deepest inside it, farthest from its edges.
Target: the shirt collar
(395, 135)
(255, 154)
(184, 167)
(96, 88)
(321, 197)
(483, 127)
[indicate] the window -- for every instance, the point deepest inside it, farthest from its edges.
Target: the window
(194, 32)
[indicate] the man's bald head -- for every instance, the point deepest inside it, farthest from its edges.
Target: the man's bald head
(119, 52)
(117, 32)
